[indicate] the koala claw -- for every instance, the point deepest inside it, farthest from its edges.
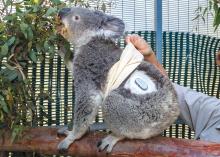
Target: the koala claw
(103, 146)
(63, 151)
(64, 145)
(108, 143)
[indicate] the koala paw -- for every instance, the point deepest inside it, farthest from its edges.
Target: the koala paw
(108, 143)
(64, 145)
(63, 131)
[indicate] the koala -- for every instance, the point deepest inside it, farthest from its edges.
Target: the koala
(134, 110)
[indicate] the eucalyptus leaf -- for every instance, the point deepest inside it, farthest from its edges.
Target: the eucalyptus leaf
(56, 2)
(33, 56)
(46, 46)
(29, 45)
(38, 47)
(30, 33)
(8, 2)
(4, 106)
(9, 66)
(35, 8)
(9, 17)
(11, 41)
(2, 26)
(51, 11)
(12, 75)
(24, 28)
(9, 74)
(4, 50)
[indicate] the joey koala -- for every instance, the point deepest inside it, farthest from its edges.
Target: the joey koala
(130, 111)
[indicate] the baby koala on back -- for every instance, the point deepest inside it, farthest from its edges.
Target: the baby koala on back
(130, 111)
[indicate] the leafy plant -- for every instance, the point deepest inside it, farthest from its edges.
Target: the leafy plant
(213, 8)
(27, 35)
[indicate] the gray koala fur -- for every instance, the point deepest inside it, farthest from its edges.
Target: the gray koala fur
(127, 115)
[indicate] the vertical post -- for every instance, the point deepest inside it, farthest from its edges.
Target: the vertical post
(158, 28)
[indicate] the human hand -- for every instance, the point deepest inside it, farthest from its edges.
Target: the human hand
(144, 48)
(139, 43)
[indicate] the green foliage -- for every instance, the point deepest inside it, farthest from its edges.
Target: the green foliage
(27, 35)
(213, 8)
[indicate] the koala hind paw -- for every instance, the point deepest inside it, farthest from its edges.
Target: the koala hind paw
(64, 145)
(108, 143)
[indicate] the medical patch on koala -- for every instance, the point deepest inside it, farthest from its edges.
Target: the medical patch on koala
(141, 83)
(138, 82)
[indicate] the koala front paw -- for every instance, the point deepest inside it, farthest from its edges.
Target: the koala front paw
(64, 145)
(108, 143)
(63, 131)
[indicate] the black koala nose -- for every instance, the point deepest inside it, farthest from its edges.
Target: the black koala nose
(63, 12)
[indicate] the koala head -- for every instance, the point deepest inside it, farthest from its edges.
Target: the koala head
(79, 25)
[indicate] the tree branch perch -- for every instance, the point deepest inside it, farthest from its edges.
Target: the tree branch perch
(44, 140)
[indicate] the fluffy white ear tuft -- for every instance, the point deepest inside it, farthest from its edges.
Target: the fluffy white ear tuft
(112, 28)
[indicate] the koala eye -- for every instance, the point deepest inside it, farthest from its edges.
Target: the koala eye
(76, 18)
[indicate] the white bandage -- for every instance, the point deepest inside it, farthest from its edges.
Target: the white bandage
(129, 60)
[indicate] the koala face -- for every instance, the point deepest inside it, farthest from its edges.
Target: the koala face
(80, 23)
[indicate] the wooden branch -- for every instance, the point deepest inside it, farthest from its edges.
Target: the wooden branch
(44, 140)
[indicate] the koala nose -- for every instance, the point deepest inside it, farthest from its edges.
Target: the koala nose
(63, 12)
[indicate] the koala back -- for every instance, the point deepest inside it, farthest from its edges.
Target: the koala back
(142, 116)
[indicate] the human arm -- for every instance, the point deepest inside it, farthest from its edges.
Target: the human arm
(201, 112)
(142, 46)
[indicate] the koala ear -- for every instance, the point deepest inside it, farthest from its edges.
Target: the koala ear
(113, 27)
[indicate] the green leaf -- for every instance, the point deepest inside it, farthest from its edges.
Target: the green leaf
(216, 22)
(38, 47)
(4, 50)
(3, 104)
(1, 118)
(215, 7)
(56, 2)
(24, 28)
(11, 41)
(30, 33)
(12, 75)
(210, 4)
(8, 2)
(9, 74)
(33, 56)
(2, 26)
(51, 11)
(9, 66)
(35, 8)
(10, 17)
(46, 46)
(29, 45)
(204, 11)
